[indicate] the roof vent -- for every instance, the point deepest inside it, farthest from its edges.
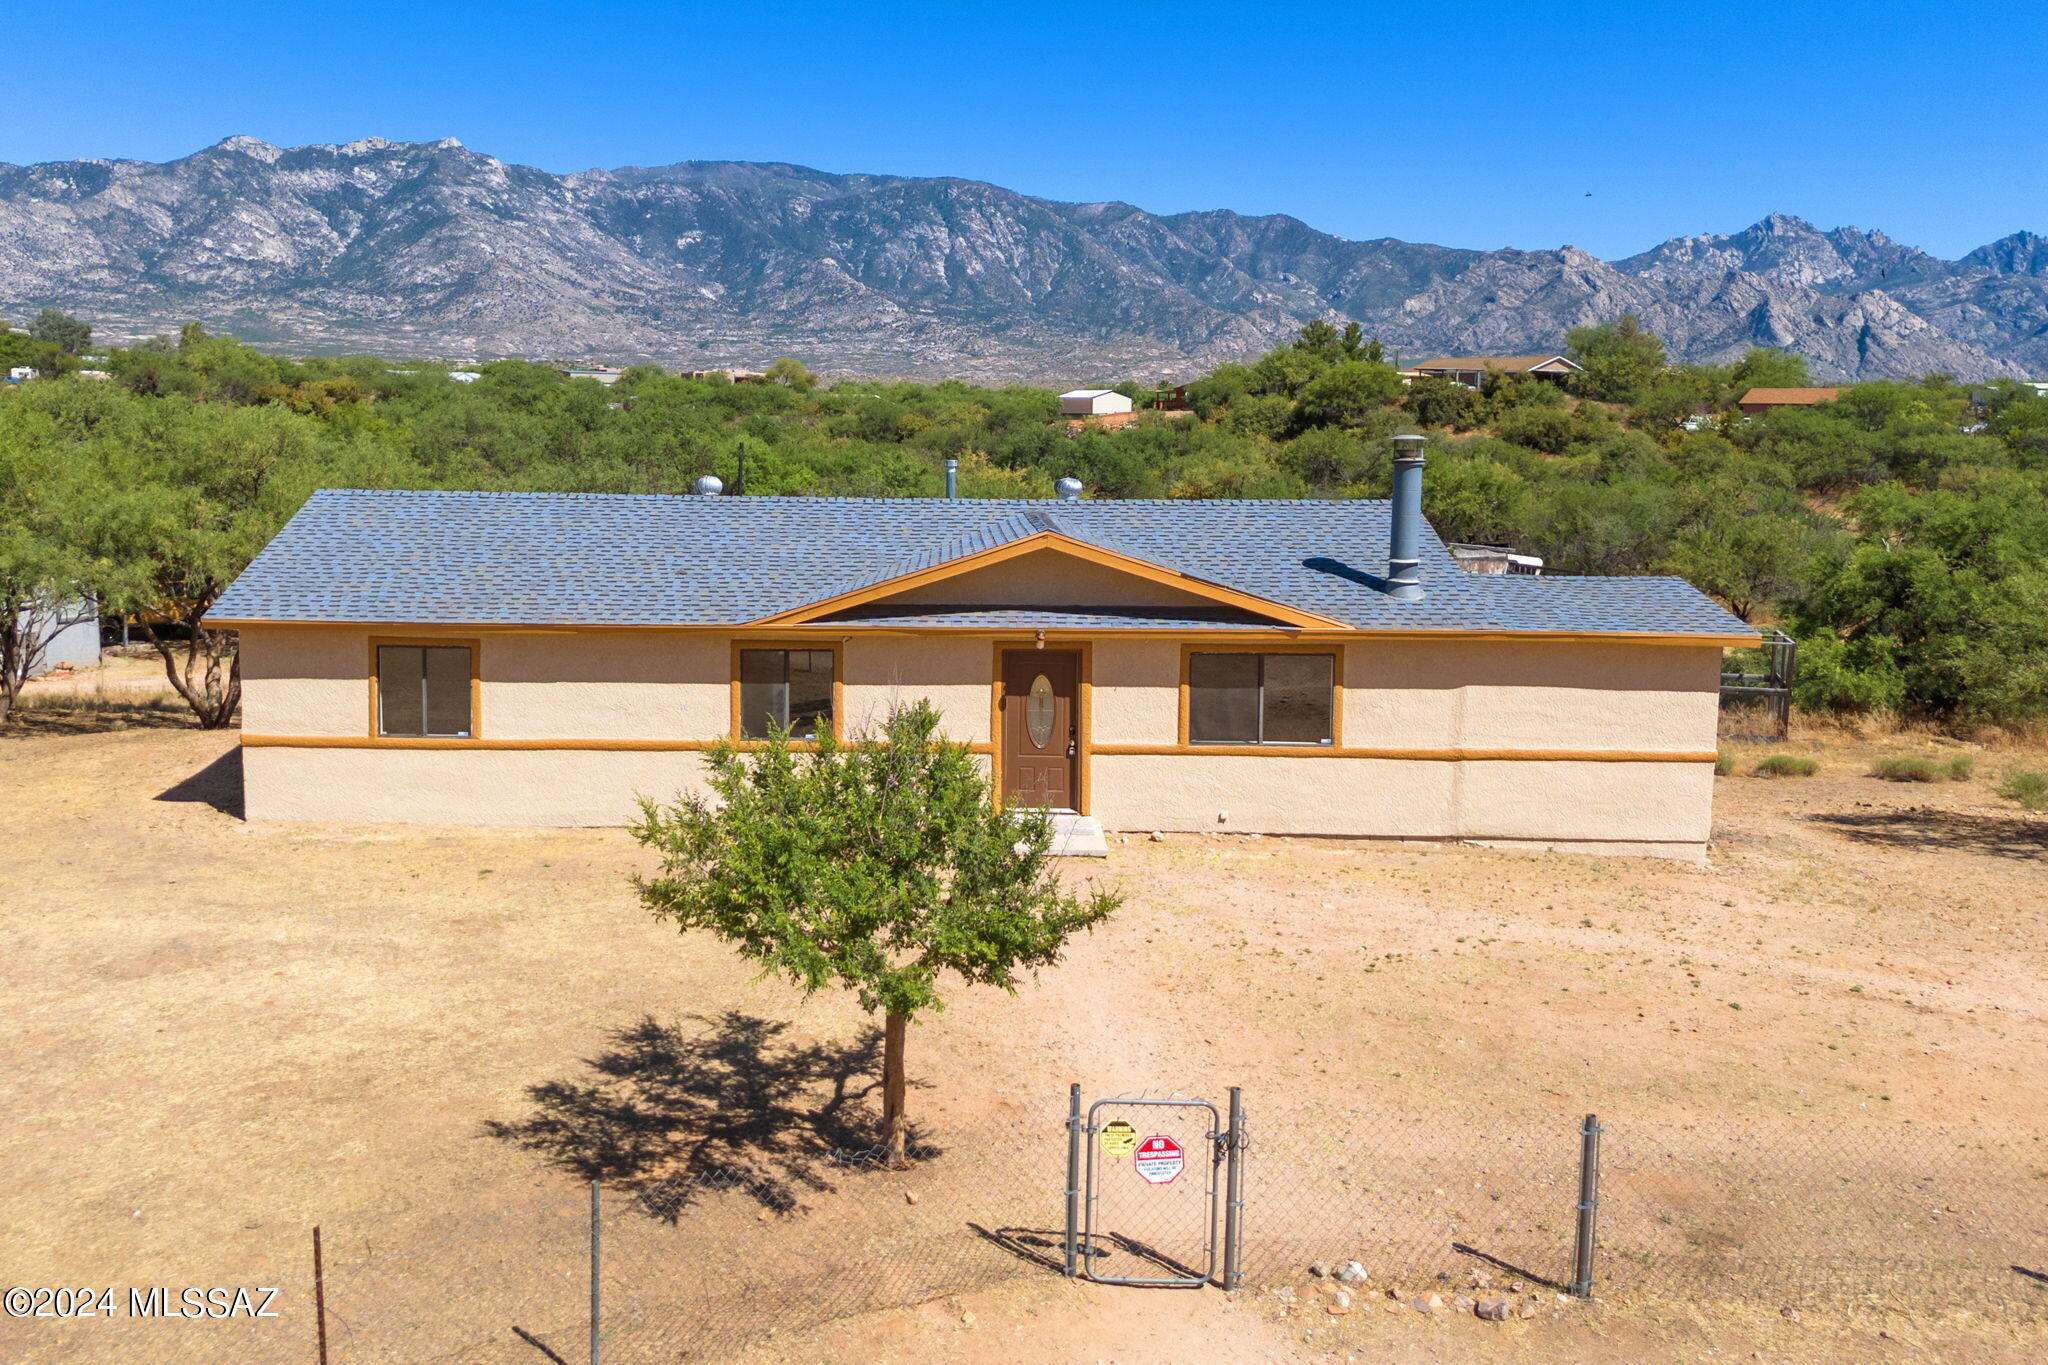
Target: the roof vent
(1067, 489)
(1404, 566)
(710, 485)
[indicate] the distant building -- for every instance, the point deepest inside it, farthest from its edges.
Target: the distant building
(730, 376)
(1093, 403)
(1471, 370)
(603, 374)
(1757, 402)
(71, 631)
(464, 376)
(1494, 559)
(21, 374)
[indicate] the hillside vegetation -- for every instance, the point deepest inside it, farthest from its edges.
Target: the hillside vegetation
(1901, 532)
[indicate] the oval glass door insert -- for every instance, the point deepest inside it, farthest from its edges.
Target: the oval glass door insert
(1038, 712)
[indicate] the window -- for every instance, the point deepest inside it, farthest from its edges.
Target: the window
(1262, 698)
(785, 687)
(423, 691)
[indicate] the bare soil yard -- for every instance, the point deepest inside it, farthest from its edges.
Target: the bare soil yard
(222, 1034)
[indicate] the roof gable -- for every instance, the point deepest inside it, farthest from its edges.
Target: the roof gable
(914, 581)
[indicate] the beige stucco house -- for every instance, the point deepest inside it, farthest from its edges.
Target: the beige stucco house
(1279, 667)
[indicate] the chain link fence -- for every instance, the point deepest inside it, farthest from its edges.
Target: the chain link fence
(707, 1264)
(786, 1232)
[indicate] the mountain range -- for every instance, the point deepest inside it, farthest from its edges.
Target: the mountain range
(431, 249)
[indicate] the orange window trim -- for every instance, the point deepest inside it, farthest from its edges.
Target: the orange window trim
(1183, 744)
(838, 652)
(476, 686)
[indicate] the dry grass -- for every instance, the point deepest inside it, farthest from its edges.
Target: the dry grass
(225, 1033)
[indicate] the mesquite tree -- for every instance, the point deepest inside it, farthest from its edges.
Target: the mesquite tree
(878, 864)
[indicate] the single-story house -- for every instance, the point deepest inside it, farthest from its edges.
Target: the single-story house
(1311, 668)
(1092, 403)
(1757, 402)
(1471, 370)
(606, 375)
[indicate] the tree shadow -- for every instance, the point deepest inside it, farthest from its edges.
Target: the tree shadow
(55, 713)
(672, 1115)
(218, 784)
(1924, 829)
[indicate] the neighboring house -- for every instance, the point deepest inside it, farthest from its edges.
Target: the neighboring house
(734, 376)
(1757, 402)
(21, 374)
(1471, 370)
(603, 374)
(464, 376)
(1272, 667)
(76, 641)
(1093, 403)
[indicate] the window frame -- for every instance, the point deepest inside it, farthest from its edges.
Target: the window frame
(1334, 652)
(836, 648)
(476, 692)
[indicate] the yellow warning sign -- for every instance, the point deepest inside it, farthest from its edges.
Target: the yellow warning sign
(1118, 1138)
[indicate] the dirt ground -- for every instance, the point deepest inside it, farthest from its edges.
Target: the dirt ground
(222, 1034)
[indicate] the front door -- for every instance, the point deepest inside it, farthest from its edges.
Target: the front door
(1041, 728)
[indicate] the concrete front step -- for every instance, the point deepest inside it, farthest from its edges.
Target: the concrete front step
(1078, 836)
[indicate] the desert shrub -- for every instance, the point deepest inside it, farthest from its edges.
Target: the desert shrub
(1724, 764)
(2029, 789)
(1786, 765)
(1905, 770)
(1961, 768)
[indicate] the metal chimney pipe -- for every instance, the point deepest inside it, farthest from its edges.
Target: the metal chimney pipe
(952, 478)
(1404, 567)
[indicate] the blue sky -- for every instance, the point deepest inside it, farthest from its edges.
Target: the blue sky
(1609, 127)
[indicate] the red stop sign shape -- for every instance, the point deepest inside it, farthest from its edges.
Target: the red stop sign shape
(1159, 1159)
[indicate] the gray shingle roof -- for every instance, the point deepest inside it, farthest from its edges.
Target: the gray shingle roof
(452, 558)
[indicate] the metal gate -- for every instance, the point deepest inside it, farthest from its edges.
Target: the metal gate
(1146, 1213)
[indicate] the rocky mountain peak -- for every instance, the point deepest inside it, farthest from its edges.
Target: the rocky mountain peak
(432, 248)
(243, 145)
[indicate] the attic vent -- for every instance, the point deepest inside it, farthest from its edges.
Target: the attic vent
(710, 486)
(1067, 489)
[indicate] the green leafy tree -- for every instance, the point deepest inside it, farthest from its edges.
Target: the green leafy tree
(1344, 393)
(1320, 340)
(49, 575)
(1746, 558)
(197, 502)
(1550, 430)
(1287, 371)
(880, 866)
(60, 329)
(1949, 588)
(1761, 368)
(1438, 401)
(1620, 358)
(1476, 500)
(790, 372)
